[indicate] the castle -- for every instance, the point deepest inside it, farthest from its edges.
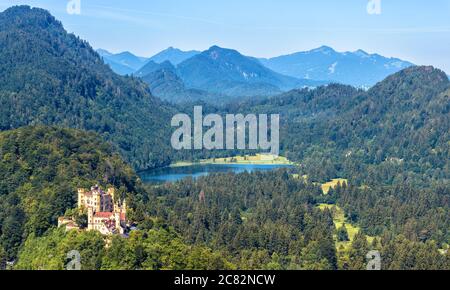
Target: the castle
(104, 212)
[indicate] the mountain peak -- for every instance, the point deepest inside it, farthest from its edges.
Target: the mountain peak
(215, 52)
(24, 16)
(151, 67)
(174, 55)
(171, 49)
(126, 54)
(324, 49)
(216, 47)
(25, 9)
(103, 52)
(361, 53)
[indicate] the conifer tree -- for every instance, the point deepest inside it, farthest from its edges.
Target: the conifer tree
(342, 234)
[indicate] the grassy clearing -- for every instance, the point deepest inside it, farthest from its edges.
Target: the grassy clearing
(332, 184)
(339, 220)
(182, 164)
(258, 159)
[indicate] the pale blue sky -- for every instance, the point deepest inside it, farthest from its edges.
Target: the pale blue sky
(415, 30)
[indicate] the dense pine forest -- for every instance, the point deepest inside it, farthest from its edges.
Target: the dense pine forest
(278, 221)
(68, 121)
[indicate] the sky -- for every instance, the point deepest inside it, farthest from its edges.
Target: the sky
(413, 30)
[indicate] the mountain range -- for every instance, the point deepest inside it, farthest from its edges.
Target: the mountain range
(126, 63)
(227, 74)
(358, 68)
(214, 72)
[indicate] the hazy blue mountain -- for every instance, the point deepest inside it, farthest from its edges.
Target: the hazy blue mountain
(104, 52)
(122, 63)
(226, 71)
(152, 66)
(357, 68)
(174, 55)
(164, 83)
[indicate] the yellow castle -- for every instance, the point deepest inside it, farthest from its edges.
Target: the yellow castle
(105, 214)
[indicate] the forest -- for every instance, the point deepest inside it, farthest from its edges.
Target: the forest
(275, 221)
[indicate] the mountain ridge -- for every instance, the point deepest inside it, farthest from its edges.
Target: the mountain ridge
(358, 68)
(123, 63)
(305, 68)
(152, 66)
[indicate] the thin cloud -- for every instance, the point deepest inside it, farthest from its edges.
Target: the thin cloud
(182, 17)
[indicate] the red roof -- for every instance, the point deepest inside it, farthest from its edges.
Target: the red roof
(103, 214)
(122, 217)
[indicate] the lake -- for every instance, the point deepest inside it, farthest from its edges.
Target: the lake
(172, 174)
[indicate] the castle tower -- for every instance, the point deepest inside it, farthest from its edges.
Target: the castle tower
(81, 193)
(97, 200)
(124, 207)
(111, 192)
(117, 221)
(116, 207)
(90, 218)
